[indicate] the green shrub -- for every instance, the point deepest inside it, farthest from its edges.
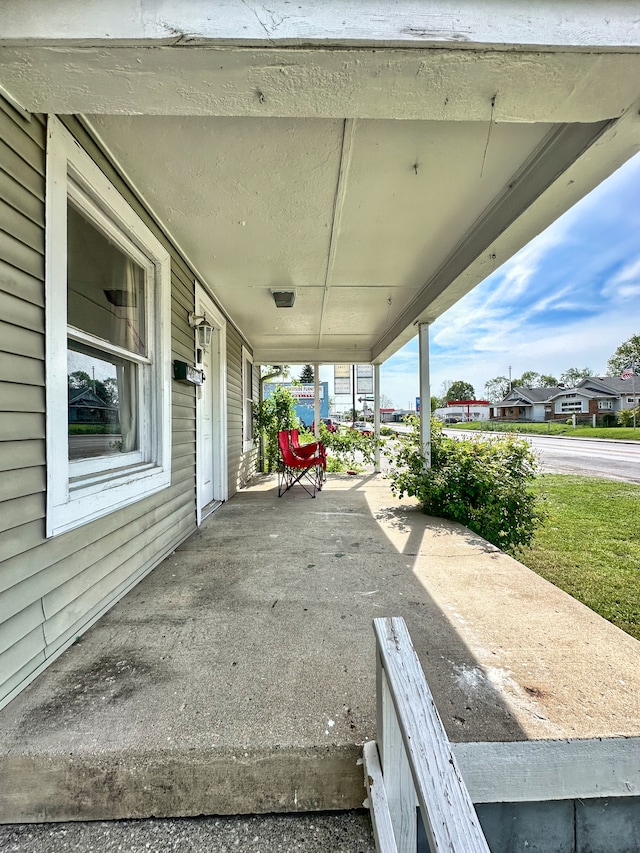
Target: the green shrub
(270, 416)
(625, 417)
(479, 483)
(348, 449)
(94, 429)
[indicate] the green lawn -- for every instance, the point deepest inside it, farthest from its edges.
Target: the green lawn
(553, 428)
(590, 545)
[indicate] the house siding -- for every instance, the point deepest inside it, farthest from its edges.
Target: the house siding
(53, 589)
(242, 465)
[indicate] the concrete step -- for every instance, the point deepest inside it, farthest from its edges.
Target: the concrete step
(338, 832)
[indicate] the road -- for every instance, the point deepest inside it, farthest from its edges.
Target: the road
(613, 460)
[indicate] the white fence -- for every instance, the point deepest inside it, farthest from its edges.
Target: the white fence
(412, 764)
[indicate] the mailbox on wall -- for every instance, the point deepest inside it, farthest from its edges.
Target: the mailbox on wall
(183, 372)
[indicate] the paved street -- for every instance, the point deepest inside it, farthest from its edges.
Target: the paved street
(613, 460)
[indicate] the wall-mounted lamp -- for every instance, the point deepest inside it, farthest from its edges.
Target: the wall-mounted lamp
(284, 298)
(204, 335)
(204, 329)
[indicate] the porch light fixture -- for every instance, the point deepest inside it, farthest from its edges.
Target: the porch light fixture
(284, 298)
(203, 328)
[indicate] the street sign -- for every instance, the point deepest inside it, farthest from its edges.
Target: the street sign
(364, 380)
(341, 378)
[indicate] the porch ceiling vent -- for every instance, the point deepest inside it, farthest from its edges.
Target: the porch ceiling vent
(284, 298)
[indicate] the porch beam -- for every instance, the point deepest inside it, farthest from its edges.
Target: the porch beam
(386, 83)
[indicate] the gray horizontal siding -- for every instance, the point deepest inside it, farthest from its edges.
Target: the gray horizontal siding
(20, 454)
(234, 408)
(20, 398)
(19, 312)
(25, 287)
(51, 589)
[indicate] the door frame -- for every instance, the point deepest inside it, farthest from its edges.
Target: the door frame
(204, 304)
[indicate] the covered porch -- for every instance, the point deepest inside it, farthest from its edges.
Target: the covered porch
(239, 676)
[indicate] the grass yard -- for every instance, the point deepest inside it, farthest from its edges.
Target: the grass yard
(555, 428)
(590, 545)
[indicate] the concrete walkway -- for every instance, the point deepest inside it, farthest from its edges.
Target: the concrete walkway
(239, 676)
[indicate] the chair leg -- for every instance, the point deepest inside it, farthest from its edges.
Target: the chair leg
(288, 477)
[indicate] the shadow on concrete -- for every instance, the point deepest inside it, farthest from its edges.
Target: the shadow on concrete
(239, 676)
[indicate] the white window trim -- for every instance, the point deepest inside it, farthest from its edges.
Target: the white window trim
(97, 493)
(247, 393)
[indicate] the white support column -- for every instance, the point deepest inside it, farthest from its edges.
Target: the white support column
(425, 394)
(376, 413)
(316, 399)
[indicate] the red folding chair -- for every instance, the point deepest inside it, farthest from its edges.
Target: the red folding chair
(294, 468)
(312, 448)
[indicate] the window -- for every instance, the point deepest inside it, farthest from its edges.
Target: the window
(108, 345)
(605, 404)
(247, 397)
(571, 406)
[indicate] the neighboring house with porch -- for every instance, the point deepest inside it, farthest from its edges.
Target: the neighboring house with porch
(167, 174)
(525, 404)
(599, 396)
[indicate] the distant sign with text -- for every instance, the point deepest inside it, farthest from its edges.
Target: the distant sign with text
(364, 382)
(341, 378)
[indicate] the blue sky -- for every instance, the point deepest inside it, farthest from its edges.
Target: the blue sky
(568, 299)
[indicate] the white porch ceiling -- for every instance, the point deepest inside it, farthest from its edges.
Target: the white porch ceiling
(355, 216)
(380, 183)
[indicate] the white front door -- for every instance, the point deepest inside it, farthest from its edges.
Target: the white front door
(211, 460)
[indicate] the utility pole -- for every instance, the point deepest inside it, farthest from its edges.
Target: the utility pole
(510, 385)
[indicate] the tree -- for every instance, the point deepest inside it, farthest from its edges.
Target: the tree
(79, 380)
(272, 371)
(106, 390)
(497, 388)
(435, 402)
(276, 413)
(548, 381)
(307, 375)
(573, 375)
(446, 384)
(386, 402)
(460, 390)
(530, 379)
(627, 353)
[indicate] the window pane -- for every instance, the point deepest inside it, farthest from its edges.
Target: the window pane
(105, 286)
(103, 411)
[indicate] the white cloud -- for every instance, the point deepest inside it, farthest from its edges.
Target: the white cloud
(625, 284)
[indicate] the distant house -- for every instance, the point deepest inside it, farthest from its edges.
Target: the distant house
(597, 395)
(86, 407)
(526, 404)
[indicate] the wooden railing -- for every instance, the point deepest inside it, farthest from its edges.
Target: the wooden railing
(412, 764)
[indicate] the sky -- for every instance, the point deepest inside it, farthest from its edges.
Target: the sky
(567, 299)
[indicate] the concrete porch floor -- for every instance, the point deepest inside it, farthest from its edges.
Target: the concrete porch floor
(239, 676)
